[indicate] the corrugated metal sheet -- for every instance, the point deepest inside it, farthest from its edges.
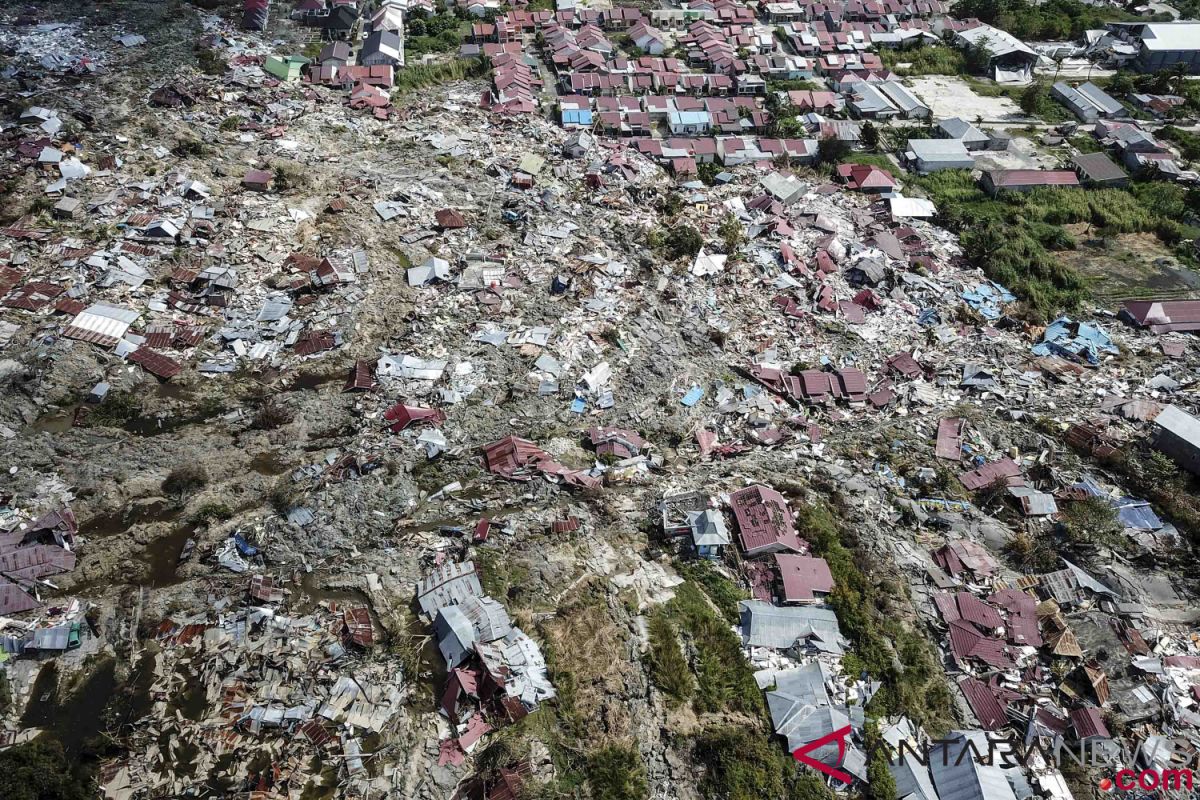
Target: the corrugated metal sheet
(102, 324)
(987, 708)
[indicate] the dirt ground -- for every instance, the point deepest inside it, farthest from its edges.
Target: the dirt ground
(948, 96)
(1129, 266)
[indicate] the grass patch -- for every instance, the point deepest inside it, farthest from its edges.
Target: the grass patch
(421, 76)
(724, 593)
(742, 764)
(724, 679)
(1013, 237)
(871, 160)
(925, 60)
(668, 667)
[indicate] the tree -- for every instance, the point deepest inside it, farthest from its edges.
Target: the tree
(979, 56)
(870, 136)
(683, 241)
(831, 150)
(1091, 521)
(39, 770)
(1033, 98)
(732, 233)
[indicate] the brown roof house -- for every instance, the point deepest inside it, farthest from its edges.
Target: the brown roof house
(804, 579)
(764, 521)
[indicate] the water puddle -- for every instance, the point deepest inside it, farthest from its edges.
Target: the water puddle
(269, 463)
(71, 717)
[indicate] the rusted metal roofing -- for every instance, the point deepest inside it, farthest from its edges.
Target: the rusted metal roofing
(975, 610)
(1088, 723)
(904, 364)
(358, 626)
(949, 438)
(983, 702)
(566, 525)
(964, 554)
(449, 219)
(155, 363)
(764, 521)
(401, 416)
(34, 296)
(362, 377)
(509, 456)
(315, 342)
(14, 599)
(36, 561)
(947, 606)
(803, 577)
(989, 474)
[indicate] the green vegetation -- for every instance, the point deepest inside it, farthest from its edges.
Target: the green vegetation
(411, 79)
(211, 512)
(5, 692)
(231, 123)
(743, 764)
(881, 783)
(677, 242)
(115, 410)
(209, 61)
(732, 233)
(39, 770)
(1187, 141)
(724, 593)
(271, 414)
(870, 159)
(1012, 237)
(1054, 19)
(832, 151)
(926, 60)
(867, 612)
(441, 33)
(1091, 521)
(616, 773)
(1035, 100)
(725, 682)
(668, 667)
(290, 175)
(1170, 490)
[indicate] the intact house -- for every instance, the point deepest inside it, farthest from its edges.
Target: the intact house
(958, 128)
(803, 579)
(1097, 169)
(932, 155)
(286, 68)
(689, 122)
(1088, 102)
(995, 181)
(382, 48)
(1177, 434)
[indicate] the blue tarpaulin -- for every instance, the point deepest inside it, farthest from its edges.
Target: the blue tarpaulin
(693, 396)
(989, 299)
(244, 547)
(1078, 341)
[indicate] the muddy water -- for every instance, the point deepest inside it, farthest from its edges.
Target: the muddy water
(314, 380)
(269, 463)
(70, 717)
(119, 521)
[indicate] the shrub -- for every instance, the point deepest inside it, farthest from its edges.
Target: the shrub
(185, 480)
(725, 681)
(742, 764)
(211, 512)
(271, 414)
(682, 241)
(39, 770)
(616, 773)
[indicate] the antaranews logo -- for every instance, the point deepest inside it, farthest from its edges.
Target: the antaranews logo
(1148, 780)
(801, 754)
